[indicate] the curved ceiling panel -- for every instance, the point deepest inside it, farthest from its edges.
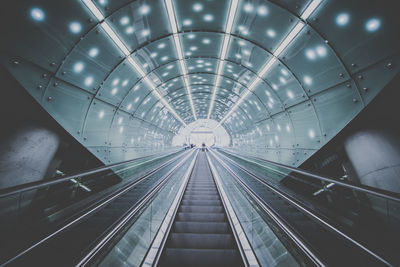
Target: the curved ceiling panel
(123, 77)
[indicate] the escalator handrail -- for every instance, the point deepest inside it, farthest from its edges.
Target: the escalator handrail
(40, 184)
(246, 251)
(306, 210)
(293, 235)
(362, 188)
(120, 224)
(93, 208)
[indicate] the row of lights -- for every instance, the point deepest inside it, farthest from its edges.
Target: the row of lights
(178, 47)
(115, 38)
(282, 46)
(224, 50)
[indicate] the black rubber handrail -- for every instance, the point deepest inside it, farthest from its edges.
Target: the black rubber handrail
(300, 206)
(362, 188)
(112, 232)
(40, 184)
(98, 205)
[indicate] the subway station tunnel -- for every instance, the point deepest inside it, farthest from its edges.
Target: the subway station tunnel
(200, 133)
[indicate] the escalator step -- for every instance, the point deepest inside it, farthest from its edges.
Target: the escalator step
(201, 227)
(201, 257)
(202, 189)
(200, 217)
(203, 241)
(204, 193)
(202, 202)
(209, 197)
(201, 209)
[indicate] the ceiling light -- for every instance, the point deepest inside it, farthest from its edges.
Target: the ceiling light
(129, 30)
(115, 38)
(37, 14)
(289, 38)
(75, 27)
(144, 10)
(342, 19)
(124, 20)
(267, 67)
(310, 9)
(373, 24)
(271, 33)
(208, 17)
(78, 67)
(93, 52)
(95, 11)
(224, 50)
(262, 10)
(178, 48)
(197, 7)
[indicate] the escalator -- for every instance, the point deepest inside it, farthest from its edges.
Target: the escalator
(81, 235)
(330, 245)
(201, 234)
(198, 208)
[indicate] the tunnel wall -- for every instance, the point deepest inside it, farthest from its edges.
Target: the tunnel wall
(357, 64)
(293, 135)
(300, 104)
(110, 134)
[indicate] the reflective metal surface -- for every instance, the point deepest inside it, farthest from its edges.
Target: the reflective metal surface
(123, 80)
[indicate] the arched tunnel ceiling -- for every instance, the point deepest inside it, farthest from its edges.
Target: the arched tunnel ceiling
(283, 77)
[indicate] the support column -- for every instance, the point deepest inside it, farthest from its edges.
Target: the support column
(25, 155)
(375, 156)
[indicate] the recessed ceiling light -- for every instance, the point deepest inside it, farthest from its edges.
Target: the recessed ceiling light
(93, 52)
(78, 67)
(75, 27)
(129, 30)
(197, 7)
(342, 19)
(88, 81)
(271, 33)
(321, 51)
(144, 10)
(262, 10)
(373, 24)
(208, 17)
(187, 22)
(145, 32)
(37, 14)
(115, 82)
(248, 7)
(124, 20)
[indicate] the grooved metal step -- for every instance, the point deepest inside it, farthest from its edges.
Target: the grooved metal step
(201, 257)
(201, 234)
